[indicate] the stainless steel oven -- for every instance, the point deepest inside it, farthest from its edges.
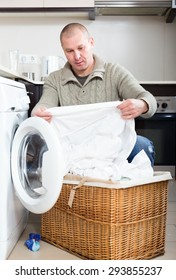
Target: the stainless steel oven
(161, 130)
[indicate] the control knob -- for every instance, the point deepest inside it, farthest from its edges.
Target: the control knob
(164, 105)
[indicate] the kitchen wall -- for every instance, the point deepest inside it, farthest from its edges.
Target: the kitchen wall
(146, 45)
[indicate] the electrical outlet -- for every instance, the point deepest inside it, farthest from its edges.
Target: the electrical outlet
(28, 58)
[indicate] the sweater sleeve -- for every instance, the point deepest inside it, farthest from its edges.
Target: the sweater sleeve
(129, 87)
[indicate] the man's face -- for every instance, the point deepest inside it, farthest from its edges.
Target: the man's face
(78, 51)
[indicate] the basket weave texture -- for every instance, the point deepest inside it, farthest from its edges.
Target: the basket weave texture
(109, 223)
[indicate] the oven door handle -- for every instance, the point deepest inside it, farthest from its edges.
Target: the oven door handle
(159, 116)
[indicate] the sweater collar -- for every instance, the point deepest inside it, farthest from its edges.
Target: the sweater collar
(98, 71)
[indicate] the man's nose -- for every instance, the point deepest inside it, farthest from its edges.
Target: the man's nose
(77, 55)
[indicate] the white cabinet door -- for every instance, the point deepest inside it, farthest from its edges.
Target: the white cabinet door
(21, 3)
(68, 3)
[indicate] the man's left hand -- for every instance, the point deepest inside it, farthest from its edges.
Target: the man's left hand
(132, 108)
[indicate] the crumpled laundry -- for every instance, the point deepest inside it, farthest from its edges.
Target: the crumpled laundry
(96, 142)
(33, 243)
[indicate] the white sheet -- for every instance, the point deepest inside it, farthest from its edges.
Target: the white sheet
(97, 142)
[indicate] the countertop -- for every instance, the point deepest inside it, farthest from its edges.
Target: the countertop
(7, 73)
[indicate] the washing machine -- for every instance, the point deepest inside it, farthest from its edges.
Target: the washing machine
(14, 105)
(31, 170)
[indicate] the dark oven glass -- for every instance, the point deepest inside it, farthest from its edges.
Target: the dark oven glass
(161, 130)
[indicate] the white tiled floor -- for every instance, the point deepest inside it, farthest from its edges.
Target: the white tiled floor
(50, 252)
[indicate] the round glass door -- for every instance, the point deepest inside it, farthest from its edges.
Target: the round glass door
(37, 165)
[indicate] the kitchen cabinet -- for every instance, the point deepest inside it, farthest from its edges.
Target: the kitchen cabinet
(21, 3)
(70, 6)
(68, 3)
(46, 3)
(47, 6)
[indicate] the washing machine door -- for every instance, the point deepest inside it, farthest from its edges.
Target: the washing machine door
(37, 164)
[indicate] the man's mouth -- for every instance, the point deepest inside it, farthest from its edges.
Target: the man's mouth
(79, 63)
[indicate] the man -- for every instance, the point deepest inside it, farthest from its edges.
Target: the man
(85, 78)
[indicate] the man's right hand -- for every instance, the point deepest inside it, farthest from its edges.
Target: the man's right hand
(42, 113)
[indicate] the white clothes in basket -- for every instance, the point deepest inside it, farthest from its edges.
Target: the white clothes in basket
(96, 142)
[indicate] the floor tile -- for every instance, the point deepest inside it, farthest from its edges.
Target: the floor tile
(171, 218)
(171, 206)
(171, 233)
(172, 191)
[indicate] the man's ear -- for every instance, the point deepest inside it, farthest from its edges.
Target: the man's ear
(91, 41)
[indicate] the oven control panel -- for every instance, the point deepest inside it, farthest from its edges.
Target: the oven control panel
(166, 104)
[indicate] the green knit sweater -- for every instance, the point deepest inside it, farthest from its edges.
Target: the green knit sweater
(107, 82)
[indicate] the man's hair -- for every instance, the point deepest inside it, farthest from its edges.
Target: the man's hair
(70, 29)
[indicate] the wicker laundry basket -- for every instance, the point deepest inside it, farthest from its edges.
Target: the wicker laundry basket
(108, 222)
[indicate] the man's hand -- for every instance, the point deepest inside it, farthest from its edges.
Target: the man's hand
(132, 108)
(42, 113)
